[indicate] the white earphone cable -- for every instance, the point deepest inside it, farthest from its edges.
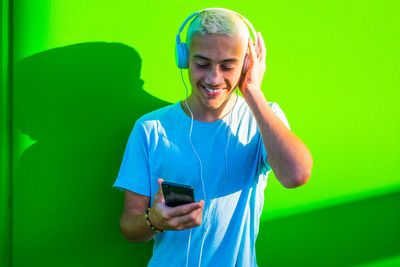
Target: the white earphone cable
(190, 139)
(201, 167)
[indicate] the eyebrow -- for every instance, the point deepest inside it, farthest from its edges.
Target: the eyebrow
(222, 61)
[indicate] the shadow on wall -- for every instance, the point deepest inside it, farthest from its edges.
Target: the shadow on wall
(350, 234)
(79, 103)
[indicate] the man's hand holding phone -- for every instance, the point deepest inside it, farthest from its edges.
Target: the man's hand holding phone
(181, 217)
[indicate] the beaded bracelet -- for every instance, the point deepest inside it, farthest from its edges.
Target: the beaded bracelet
(149, 223)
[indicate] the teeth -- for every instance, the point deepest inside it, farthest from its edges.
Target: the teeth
(213, 90)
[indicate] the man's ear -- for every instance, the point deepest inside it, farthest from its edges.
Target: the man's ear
(246, 62)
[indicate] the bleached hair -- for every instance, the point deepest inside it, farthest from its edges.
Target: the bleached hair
(220, 22)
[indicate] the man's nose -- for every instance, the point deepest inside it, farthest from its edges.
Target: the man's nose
(214, 77)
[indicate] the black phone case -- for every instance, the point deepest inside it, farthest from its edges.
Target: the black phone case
(177, 194)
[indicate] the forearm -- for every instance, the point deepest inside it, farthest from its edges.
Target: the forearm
(287, 155)
(134, 227)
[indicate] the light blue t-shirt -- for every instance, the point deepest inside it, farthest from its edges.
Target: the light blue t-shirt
(159, 147)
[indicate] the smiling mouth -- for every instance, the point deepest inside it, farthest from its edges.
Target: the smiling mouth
(210, 91)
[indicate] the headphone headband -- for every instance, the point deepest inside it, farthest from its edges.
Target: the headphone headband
(178, 39)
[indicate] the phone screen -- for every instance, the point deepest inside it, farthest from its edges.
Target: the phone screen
(177, 194)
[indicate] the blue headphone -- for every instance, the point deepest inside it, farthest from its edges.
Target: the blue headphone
(182, 50)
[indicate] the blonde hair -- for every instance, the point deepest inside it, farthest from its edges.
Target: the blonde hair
(216, 21)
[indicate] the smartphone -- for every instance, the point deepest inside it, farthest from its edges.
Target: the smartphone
(177, 194)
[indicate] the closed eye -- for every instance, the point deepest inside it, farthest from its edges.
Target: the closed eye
(206, 66)
(202, 66)
(227, 68)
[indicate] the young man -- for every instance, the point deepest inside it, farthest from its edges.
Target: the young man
(226, 156)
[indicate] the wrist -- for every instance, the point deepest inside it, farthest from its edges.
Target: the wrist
(149, 222)
(252, 93)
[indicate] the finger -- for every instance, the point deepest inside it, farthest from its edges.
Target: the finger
(252, 52)
(261, 44)
(187, 224)
(257, 48)
(184, 209)
(201, 202)
(159, 197)
(189, 220)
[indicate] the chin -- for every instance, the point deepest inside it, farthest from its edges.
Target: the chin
(214, 104)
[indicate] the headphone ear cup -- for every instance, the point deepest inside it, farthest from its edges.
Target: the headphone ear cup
(246, 63)
(181, 55)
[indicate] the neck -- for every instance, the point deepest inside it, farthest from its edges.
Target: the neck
(209, 115)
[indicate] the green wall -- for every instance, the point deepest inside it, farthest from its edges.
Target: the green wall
(84, 71)
(5, 133)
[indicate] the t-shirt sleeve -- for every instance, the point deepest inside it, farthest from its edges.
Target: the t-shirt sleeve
(278, 111)
(134, 173)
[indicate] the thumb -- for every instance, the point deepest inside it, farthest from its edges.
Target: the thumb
(159, 197)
